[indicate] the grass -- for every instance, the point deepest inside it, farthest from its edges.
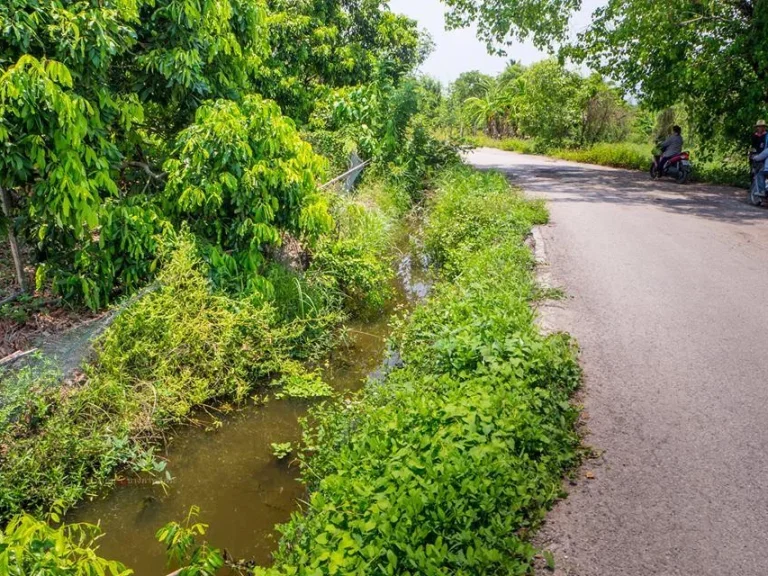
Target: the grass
(448, 465)
(617, 155)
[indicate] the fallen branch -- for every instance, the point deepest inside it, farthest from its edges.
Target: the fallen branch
(10, 298)
(16, 356)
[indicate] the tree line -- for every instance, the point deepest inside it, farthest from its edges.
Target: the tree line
(544, 101)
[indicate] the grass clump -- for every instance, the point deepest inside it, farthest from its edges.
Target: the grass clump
(356, 259)
(448, 464)
(617, 155)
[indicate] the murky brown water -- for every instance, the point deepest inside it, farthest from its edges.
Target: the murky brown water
(231, 474)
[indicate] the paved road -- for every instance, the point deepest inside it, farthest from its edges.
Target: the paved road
(665, 286)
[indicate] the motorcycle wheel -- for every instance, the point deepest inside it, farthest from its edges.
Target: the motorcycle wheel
(654, 171)
(683, 176)
(754, 197)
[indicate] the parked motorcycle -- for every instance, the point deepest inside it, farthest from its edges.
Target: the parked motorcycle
(678, 167)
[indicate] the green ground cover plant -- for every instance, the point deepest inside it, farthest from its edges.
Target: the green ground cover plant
(449, 463)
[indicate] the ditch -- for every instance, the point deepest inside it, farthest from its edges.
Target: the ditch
(242, 489)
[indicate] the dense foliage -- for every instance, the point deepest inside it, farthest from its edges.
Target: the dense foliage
(545, 102)
(32, 546)
(184, 343)
(447, 464)
(113, 113)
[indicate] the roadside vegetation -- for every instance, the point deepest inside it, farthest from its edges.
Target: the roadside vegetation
(168, 163)
(165, 159)
(450, 462)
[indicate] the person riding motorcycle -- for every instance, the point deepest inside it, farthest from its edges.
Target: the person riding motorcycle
(759, 142)
(670, 148)
(761, 160)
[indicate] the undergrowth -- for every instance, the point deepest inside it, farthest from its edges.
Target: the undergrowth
(178, 347)
(449, 463)
(184, 345)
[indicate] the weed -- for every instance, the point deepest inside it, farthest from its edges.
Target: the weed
(282, 450)
(297, 382)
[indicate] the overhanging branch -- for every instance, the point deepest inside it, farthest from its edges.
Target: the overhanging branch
(147, 169)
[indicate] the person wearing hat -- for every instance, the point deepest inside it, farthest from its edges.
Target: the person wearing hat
(760, 162)
(759, 137)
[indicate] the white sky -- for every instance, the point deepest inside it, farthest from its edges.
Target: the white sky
(460, 51)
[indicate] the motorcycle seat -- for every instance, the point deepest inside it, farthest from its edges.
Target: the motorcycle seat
(679, 157)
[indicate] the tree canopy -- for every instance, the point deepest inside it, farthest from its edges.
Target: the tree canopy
(122, 119)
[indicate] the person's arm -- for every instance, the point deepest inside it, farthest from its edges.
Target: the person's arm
(762, 156)
(666, 144)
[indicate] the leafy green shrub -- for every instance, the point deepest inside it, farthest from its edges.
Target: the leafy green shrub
(179, 346)
(32, 546)
(118, 261)
(358, 271)
(242, 176)
(183, 549)
(728, 173)
(465, 216)
(446, 465)
(356, 259)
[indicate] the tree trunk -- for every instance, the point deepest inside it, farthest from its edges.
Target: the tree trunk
(5, 196)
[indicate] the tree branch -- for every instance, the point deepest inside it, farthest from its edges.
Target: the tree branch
(5, 199)
(148, 170)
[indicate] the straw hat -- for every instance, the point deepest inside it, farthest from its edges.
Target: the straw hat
(761, 124)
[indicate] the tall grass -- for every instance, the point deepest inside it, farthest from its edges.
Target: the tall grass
(617, 155)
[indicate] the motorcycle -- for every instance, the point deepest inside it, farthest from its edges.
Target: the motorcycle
(678, 167)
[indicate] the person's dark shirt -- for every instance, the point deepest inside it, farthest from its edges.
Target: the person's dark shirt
(758, 142)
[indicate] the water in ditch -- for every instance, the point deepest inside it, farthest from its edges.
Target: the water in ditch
(230, 473)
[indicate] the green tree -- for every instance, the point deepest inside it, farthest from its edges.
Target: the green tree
(543, 21)
(328, 44)
(707, 55)
(240, 176)
(548, 103)
(491, 110)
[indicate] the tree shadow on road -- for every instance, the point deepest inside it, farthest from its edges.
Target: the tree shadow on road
(571, 183)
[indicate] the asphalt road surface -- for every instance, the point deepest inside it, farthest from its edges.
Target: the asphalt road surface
(668, 297)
